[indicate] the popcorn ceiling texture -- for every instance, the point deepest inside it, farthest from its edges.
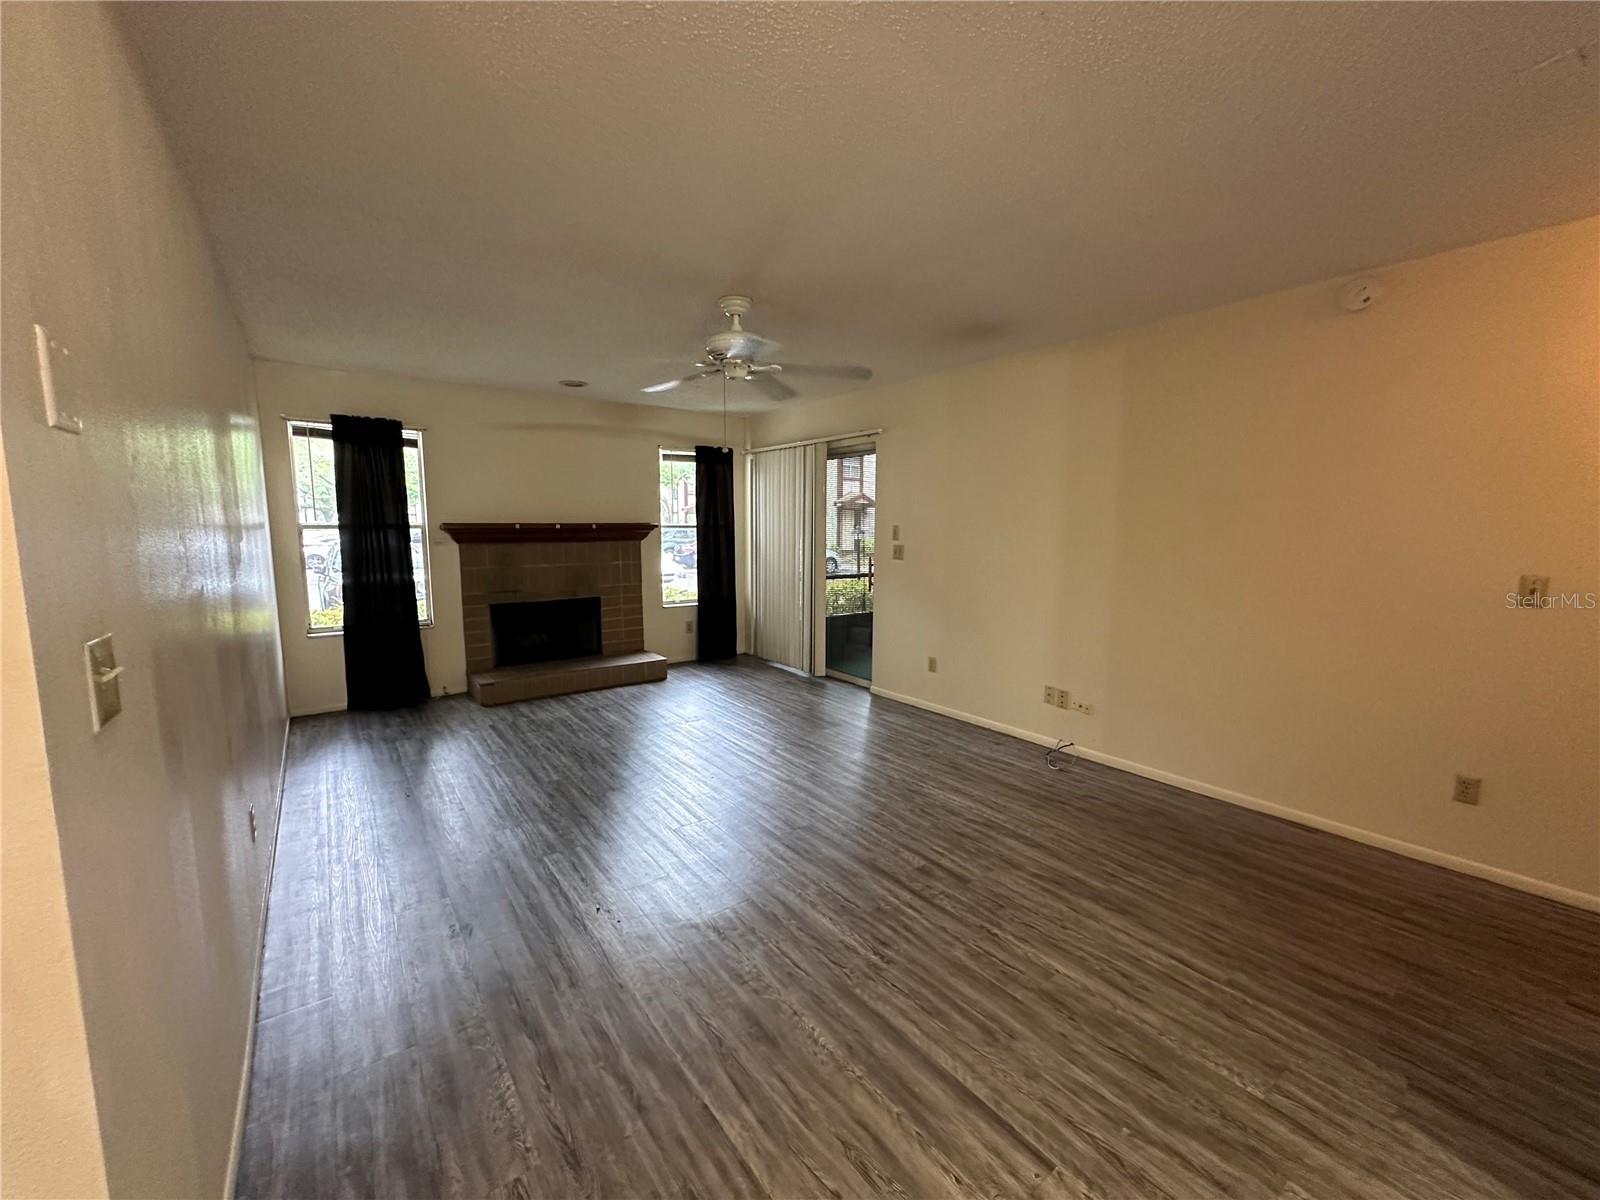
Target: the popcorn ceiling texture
(513, 194)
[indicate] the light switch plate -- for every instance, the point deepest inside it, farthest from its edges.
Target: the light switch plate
(1532, 589)
(55, 380)
(899, 552)
(105, 690)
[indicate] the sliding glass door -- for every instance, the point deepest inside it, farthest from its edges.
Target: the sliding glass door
(850, 537)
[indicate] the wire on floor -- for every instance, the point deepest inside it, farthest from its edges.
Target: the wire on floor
(1052, 759)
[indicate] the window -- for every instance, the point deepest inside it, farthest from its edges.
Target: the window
(680, 580)
(852, 527)
(311, 451)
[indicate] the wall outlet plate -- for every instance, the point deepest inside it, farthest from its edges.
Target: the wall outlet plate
(1533, 588)
(1467, 789)
(933, 665)
(1081, 706)
(1063, 698)
(898, 552)
(1050, 695)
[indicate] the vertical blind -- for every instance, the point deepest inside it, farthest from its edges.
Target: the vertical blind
(781, 543)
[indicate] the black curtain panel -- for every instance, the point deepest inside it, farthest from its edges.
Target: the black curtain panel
(719, 604)
(383, 665)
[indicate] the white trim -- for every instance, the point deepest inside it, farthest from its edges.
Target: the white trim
(317, 712)
(440, 693)
(242, 1104)
(832, 437)
(1438, 858)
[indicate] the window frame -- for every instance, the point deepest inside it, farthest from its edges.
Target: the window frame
(324, 429)
(665, 455)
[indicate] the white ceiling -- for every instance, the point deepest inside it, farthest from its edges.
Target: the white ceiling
(515, 194)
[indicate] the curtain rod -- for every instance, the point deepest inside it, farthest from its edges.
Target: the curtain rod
(326, 420)
(832, 437)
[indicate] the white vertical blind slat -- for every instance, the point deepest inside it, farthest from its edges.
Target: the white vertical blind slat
(781, 554)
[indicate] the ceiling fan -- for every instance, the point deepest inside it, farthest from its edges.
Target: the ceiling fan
(735, 353)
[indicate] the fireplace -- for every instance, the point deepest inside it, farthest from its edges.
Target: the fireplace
(535, 631)
(551, 609)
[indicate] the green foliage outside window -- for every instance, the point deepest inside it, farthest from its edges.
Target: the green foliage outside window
(846, 596)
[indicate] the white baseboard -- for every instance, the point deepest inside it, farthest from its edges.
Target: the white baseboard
(1465, 866)
(241, 1105)
(314, 712)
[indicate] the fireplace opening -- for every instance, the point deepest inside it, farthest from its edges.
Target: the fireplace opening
(537, 631)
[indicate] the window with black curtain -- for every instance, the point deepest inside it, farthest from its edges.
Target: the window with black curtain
(383, 663)
(316, 512)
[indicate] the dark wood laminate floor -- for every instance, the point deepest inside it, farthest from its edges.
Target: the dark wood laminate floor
(741, 934)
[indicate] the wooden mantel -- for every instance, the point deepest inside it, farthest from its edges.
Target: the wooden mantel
(566, 531)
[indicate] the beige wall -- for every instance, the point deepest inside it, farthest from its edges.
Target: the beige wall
(1271, 544)
(49, 1132)
(150, 525)
(488, 455)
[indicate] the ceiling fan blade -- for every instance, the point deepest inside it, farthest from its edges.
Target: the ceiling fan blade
(827, 372)
(669, 384)
(772, 387)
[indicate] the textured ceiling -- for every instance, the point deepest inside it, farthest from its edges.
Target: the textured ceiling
(515, 194)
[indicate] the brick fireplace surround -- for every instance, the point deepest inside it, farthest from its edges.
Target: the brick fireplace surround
(508, 563)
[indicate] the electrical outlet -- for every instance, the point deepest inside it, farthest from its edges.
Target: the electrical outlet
(1467, 788)
(1081, 706)
(899, 552)
(1050, 694)
(688, 626)
(895, 536)
(933, 665)
(1063, 698)
(1533, 588)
